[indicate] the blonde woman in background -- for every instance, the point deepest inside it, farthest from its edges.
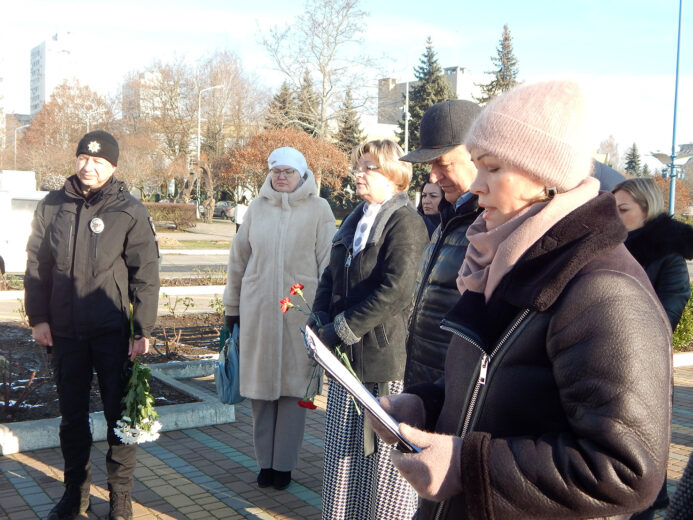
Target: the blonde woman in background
(364, 300)
(661, 245)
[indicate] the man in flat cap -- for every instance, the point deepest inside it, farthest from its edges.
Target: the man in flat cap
(92, 255)
(442, 132)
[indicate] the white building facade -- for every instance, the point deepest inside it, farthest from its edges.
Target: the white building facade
(391, 93)
(52, 63)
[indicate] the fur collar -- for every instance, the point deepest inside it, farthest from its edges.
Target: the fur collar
(346, 231)
(660, 237)
(542, 273)
(286, 200)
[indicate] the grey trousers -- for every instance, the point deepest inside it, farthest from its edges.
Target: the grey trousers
(278, 432)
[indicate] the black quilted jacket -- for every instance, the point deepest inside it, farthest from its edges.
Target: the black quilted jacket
(435, 294)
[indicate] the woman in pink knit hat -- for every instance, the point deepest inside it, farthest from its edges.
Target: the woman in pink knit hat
(555, 402)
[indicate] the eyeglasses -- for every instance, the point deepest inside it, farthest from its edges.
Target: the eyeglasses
(288, 172)
(366, 168)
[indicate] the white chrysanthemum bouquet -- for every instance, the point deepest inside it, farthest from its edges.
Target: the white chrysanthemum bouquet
(139, 421)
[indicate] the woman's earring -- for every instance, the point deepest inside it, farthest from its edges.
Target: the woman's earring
(550, 192)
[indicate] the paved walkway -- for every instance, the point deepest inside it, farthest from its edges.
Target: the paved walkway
(210, 472)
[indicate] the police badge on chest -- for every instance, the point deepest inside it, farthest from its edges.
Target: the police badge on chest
(96, 225)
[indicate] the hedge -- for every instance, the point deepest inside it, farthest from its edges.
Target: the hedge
(683, 335)
(183, 216)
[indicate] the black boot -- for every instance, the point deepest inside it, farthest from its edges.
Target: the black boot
(121, 505)
(265, 477)
(282, 479)
(74, 502)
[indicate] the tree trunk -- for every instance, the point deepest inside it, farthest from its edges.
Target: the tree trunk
(208, 182)
(186, 192)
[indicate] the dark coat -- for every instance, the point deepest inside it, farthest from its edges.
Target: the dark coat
(661, 247)
(431, 221)
(559, 385)
(82, 282)
(435, 294)
(369, 296)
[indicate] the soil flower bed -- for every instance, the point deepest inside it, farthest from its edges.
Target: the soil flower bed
(27, 390)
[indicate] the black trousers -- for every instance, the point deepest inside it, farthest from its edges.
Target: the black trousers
(74, 362)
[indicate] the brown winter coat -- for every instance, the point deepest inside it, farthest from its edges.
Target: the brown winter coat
(560, 384)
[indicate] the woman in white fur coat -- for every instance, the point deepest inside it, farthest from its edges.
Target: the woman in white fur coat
(285, 239)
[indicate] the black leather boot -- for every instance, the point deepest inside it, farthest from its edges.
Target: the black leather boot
(74, 502)
(121, 505)
(282, 479)
(265, 478)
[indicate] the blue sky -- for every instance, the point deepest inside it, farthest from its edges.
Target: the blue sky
(623, 50)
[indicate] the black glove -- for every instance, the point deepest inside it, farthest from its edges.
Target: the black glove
(328, 335)
(231, 321)
(320, 317)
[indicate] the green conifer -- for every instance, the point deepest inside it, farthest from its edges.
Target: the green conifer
(505, 73)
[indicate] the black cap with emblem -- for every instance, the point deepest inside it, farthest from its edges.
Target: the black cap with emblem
(443, 127)
(99, 144)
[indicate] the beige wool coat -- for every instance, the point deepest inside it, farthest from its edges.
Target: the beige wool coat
(285, 239)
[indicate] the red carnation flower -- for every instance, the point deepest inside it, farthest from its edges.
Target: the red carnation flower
(286, 304)
(307, 404)
(297, 288)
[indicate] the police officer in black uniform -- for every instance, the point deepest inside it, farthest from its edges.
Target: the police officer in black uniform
(92, 253)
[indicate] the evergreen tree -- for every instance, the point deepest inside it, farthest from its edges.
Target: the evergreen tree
(633, 165)
(349, 133)
(646, 171)
(307, 105)
(505, 73)
(429, 89)
(281, 111)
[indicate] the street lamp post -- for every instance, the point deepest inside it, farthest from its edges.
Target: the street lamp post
(15, 143)
(672, 165)
(199, 110)
(406, 118)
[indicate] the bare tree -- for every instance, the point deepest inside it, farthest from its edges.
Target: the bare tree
(52, 138)
(231, 115)
(141, 164)
(246, 167)
(609, 147)
(323, 42)
(168, 103)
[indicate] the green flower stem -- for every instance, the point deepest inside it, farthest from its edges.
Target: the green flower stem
(345, 361)
(308, 313)
(138, 401)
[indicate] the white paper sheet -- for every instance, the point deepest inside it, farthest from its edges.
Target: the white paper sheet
(318, 351)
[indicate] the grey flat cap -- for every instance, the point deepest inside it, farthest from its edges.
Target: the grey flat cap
(443, 127)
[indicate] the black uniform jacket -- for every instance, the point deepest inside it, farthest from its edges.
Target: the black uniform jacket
(369, 296)
(88, 260)
(560, 384)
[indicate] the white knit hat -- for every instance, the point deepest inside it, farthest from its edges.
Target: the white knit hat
(287, 156)
(540, 128)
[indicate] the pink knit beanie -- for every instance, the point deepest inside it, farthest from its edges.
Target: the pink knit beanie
(540, 128)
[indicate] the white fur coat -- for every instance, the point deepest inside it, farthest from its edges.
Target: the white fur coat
(285, 239)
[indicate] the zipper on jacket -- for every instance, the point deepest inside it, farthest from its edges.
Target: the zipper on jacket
(94, 242)
(69, 251)
(347, 264)
(429, 268)
(465, 421)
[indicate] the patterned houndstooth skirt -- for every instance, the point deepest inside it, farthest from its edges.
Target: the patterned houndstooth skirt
(356, 487)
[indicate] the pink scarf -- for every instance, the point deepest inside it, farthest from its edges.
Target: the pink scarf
(491, 254)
